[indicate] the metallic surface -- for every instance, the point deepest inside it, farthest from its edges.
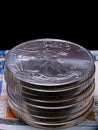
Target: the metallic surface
(28, 120)
(50, 82)
(25, 100)
(9, 76)
(49, 62)
(54, 119)
(52, 111)
(48, 95)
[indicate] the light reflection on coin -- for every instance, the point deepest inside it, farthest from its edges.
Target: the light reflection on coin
(51, 81)
(65, 102)
(49, 95)
(47, 65)
(32, 122)
(53, 111)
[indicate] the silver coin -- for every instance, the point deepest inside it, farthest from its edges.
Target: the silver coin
(55, 103)
(52, 111)
(66, 101)
(9, 77)
(52, 96)
(49, 62)
(56, 119)
(33, 122)
(45, 95)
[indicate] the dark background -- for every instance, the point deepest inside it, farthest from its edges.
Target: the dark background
(78, 24)
(84, 36)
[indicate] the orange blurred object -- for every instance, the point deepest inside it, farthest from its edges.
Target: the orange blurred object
(10, 114)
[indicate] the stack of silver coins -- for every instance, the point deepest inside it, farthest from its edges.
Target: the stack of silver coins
(50, 82)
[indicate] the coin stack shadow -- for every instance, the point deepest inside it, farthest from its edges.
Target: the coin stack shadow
(50, 82)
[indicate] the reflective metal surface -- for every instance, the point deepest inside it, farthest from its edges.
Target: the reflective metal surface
(49, 62)
(50, 82)
(48, 95)
(36, 123)
(57, 103)
(52, 111)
